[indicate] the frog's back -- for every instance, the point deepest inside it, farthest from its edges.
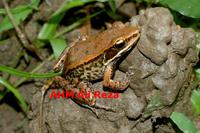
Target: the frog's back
(83, 52)
(87, 50)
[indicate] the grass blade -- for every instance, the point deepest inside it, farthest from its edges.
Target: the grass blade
(5, 24)
(19, 13)
(34, 4)
(76, 24)
(49, 28)
(26, 74)
(15, 10)
(16, 93)
(112, 4)
(183, 122)
(195, 99)
(58, 45)
(197, 73)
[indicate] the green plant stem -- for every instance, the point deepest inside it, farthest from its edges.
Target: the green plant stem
(34, 70)
(76, 24)
(17, 84)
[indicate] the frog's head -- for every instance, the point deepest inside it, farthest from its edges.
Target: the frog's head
(121, 44)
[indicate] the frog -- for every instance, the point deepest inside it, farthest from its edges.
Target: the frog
(94, 58)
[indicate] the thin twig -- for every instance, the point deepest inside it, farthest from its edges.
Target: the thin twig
(25, 42)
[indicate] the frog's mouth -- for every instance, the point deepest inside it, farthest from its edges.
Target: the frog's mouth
(129, 43)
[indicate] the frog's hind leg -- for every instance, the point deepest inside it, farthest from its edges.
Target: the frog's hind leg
(82, 94)
(86, 88)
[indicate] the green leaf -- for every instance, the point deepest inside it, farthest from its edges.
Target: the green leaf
(183, 122)
(2, 94)
(15, 10)
(34, 4)
(16, 93)
(26, 74)
(48, 30)
(188, 8)
(102, 0)
(154, 103)
(195, 99)
(58, 46)
(5, 24)
(114, 15)
(197, 73)
(76, 24)
(19, 13)
(198, 42)
(112, 5)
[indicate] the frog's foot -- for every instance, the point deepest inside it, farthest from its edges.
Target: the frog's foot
(94, 110)
(98, 106)
(107, 108)
(116, 85)
(128, 75)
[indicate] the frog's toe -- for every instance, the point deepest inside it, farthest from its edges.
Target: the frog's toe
(130, 72)
(107, 108)
(93, 109)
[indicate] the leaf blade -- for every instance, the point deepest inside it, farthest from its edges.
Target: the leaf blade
(26, 74)
(58, 46)
(19, 13)
(5, 24)
(195, 99)
(48, 30)
(16, 93)
(188, 8)
(183, 122)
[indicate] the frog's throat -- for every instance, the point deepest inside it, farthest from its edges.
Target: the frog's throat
(130, 44)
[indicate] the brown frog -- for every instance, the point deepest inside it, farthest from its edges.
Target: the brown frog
(94, 58)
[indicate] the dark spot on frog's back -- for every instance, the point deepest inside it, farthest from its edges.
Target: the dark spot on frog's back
(80, 70)
(87, 68)
(95, 64)
(96, 71)
(71, 75)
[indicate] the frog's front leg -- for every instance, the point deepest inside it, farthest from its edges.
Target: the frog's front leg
(83, 93)
(115, 85)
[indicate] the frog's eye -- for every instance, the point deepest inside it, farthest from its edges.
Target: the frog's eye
(120, 43)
